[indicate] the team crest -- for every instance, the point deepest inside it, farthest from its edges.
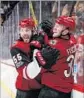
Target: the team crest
(53, 42)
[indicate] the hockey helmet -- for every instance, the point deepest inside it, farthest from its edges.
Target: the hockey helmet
(66, 21)
(27, 22)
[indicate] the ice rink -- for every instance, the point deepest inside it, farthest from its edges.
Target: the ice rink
(8, 76)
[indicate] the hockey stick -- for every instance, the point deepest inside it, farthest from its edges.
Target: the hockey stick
(76, 6)
(7, 64)
(54, 10)
(65, 10)
(33, 14)
(72, 8)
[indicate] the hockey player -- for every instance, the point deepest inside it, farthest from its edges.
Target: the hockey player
(58, 81)
(21, 53)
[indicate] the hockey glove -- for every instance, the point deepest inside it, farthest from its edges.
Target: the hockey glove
(46, 26)
(37, 42)
(47, 57)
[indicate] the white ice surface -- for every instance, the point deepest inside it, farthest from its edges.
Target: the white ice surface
(8, 77)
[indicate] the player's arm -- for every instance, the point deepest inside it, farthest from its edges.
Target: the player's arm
(22, 61)
(44, 58)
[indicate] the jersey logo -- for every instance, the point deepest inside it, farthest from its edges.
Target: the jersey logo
(53, 42)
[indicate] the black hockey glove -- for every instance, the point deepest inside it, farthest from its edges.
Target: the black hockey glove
(47, 26)
(47, 57)
(36, 42)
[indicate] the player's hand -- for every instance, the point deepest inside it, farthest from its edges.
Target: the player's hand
(37, 42)
(47, 26)
(47, 57)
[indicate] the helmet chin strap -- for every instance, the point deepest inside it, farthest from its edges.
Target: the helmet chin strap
(65, 36)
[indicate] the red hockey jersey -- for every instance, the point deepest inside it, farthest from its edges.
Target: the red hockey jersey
(60, 76)
(20, 52)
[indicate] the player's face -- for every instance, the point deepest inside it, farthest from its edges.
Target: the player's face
(26, 34)
(57, 30)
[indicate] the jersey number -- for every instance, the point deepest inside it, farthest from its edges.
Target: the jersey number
(17, 58)
(70, 61)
